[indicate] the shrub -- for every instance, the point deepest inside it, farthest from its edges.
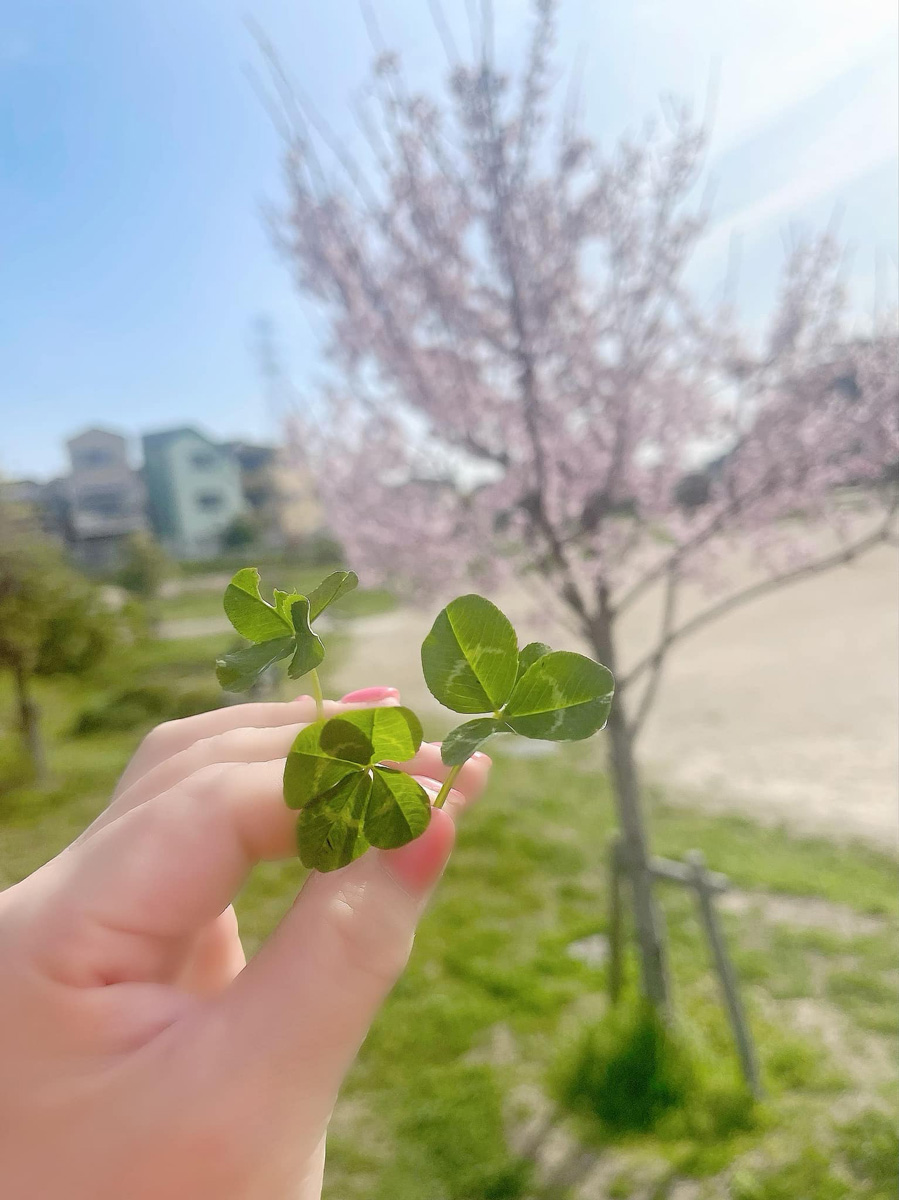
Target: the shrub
(148, 703)
(15, 768)
(631, 1074)
(627, 1071)
(195, 700)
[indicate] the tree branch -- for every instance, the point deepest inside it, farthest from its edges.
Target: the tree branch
(524, 354)
(845, 555)
(702, 535)
(658, 662)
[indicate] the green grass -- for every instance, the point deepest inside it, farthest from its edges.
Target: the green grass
(474, 1034)
(192, 605)
(870, 1147)
(454, 1137)
(316, 555)
(810, 1174)
(35, 825)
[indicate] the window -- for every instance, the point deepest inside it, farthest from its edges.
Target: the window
(102, 503)
(202, 460)
(210, 501)
(92, 457)
(258, 497)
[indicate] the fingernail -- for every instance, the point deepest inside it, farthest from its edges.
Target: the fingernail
(483, 757)
(361, 695)
(428, 783)
(417, 866)
(304, 696)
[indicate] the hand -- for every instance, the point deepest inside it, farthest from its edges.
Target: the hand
(141, 1058)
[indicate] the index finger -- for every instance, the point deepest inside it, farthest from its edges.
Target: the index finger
(174, 736)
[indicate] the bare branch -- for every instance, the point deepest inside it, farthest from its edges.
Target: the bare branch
(689, 545)
(846, 554)
(438, 16)
(372, 26)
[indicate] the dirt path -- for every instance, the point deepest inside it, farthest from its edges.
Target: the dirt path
(787, 710)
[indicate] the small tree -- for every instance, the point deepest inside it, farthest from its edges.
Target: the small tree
(525, 382)
(49, 622)
(240, 534)
(145, 569)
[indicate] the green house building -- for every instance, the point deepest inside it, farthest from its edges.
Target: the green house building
(193, 491)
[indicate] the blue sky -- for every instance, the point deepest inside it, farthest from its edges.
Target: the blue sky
(135, 157)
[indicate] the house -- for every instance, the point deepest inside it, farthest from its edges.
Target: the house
(101, 501)
(260, 492)
(194, 491)
(280, 494)
(301, 515)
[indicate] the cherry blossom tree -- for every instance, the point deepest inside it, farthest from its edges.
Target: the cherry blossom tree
(525, 385)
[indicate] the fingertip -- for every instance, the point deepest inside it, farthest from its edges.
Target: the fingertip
(417, 866)
(370, 695)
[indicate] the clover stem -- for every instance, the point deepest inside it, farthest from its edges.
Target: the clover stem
(447, 785)
(317, 693)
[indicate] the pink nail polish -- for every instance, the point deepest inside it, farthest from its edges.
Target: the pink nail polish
(370, 694)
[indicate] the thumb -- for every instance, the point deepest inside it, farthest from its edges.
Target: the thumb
(302, 1007)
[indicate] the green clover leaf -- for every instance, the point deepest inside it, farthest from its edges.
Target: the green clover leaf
(309, 649)
(529, 655)
(252, 617)
(279, 630)
(331, 588)
(459, 745)
(472, 664)
(239, 670)
(561, 697)
(470, 657)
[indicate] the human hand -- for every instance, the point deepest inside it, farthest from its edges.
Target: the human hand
(141, 1058)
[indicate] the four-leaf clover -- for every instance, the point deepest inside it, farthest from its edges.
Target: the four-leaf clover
(348, 799)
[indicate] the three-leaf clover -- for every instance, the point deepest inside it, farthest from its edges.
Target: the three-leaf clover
(277, 631)
(348, 799)
(472, 664)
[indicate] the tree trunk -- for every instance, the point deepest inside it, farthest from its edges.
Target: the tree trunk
(29, 726)
(647, 920)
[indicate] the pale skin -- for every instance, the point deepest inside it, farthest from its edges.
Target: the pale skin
(141, 1057)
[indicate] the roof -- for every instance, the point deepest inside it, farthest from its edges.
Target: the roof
(251, 455)
(164, 436)
(94, 432)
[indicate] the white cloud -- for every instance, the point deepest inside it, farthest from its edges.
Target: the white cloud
(771, 54)
(863, 136)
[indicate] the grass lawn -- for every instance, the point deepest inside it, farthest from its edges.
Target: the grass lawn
(452, 1098)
